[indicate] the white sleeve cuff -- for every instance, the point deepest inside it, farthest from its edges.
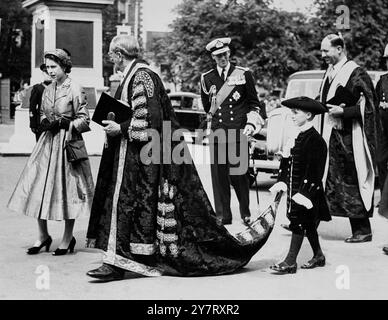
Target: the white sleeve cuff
(302, 200)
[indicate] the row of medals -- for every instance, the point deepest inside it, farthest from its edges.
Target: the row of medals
(384, 103)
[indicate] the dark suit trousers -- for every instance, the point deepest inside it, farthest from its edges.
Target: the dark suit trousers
(222, 179)
(382, 151)
(382, 170)
(360, 226)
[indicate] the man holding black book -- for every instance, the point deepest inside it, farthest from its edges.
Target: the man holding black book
(126, 238)
(350, 132)
(152, 216)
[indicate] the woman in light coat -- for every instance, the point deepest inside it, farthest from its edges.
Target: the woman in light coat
(50, 187)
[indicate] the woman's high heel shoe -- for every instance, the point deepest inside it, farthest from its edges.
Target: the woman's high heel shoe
(46, 243)
(61, 252)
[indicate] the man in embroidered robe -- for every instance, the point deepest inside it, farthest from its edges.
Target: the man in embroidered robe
(230, 99)
(350, 132)
(155, 218)
(121, 226)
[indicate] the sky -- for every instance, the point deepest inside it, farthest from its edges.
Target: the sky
(158, 14)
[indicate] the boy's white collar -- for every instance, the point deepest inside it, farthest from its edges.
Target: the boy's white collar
(305, 127)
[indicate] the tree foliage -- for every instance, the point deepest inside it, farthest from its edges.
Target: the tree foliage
(15, 61)
(109, 23)
(273, 44)
(367, 34)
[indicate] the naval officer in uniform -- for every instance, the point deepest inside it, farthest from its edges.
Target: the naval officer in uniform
(230, 100)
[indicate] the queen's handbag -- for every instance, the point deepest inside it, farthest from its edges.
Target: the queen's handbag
(75, 148)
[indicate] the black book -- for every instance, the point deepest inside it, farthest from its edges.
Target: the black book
(343, 95)
(107, 104)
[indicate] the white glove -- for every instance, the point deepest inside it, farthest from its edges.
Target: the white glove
(302, 200)
(248, 130)
(278, 186)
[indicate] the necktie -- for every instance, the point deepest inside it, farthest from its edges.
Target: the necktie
(223, 74)
(330, 73)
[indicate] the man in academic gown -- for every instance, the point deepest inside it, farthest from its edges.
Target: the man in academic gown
(350, 132)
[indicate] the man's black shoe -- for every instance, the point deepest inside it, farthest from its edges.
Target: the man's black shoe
(107, 273)
(359, 238)
(385, 250)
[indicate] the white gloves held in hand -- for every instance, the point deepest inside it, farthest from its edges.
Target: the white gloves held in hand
(297, 198)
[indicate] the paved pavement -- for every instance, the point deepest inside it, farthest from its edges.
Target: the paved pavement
(353, 271)
(6, 131)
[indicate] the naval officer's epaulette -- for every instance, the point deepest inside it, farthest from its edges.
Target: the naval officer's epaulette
(242, 68)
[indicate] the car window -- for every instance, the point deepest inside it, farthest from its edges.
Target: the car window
(303, 87)
(197, 104)
(187, 103)
(175, 102)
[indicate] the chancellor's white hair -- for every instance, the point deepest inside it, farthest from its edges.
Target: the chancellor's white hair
(127, 45)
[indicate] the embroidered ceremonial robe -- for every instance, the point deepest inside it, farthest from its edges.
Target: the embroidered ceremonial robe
(152, 218)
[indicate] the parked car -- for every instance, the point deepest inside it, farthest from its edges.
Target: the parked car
(188, 109)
